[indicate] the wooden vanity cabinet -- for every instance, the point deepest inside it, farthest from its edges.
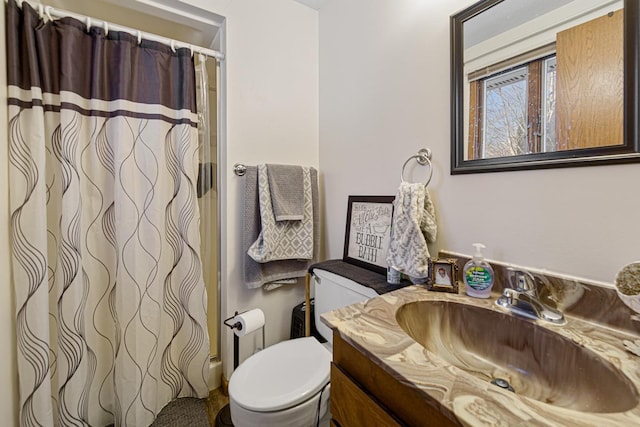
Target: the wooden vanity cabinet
(363, 394)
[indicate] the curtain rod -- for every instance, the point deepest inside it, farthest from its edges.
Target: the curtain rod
(50, 12)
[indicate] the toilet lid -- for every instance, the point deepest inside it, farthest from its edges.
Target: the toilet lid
(281, 376)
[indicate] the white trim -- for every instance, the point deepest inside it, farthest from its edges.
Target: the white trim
(527, 37)
(52, 99)
(517, 74)
(215, 374)
(313, 4)
(182, 12)
(546, 69)
(60, 13)
(535, 33)
(220, 42)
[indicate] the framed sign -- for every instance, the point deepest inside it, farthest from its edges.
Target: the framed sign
(366, 240)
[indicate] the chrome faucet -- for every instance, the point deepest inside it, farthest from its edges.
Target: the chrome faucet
(522, 298)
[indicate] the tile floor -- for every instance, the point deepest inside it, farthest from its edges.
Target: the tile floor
(217, 399)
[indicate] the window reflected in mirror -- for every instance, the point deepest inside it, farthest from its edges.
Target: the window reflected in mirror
(541, 83)
(512, 112)
(566, 95)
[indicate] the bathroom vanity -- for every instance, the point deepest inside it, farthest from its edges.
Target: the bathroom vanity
(364, 394)
(420, 358)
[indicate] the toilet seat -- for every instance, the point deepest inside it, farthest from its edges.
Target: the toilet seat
(281, 376)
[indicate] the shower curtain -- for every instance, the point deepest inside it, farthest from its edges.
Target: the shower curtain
(110, 301)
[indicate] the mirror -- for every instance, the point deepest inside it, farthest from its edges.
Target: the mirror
(550, 83)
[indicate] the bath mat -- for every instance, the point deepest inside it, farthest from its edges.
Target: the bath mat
(186, 411)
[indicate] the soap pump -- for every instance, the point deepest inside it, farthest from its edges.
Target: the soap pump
(478, 274)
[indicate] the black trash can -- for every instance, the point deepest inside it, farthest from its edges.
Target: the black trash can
(297, 322)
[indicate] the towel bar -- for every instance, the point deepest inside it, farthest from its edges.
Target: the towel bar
(239, 169)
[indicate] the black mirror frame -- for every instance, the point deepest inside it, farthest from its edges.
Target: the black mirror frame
(629, 152)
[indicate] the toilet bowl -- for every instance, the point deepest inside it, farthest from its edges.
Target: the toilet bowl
(287, 384)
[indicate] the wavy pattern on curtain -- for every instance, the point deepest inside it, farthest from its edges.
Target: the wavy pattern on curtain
(111, 304)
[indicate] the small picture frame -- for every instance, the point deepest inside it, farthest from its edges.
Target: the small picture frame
(366, 240)
(444, 275)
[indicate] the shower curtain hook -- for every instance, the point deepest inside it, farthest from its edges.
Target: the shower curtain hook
(139, 37)
(201, 57)
(41, 10)
(47, 11)
(191, 49)
(106, 28)
(88, 24)
(173, 46)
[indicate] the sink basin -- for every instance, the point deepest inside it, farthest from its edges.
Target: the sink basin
(535, 362)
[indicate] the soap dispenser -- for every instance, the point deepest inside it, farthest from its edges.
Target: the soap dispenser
(478, 274)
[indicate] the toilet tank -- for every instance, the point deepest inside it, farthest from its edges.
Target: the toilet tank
(333, 291)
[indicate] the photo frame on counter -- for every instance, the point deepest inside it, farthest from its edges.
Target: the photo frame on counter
(444, 275)
(366, 240)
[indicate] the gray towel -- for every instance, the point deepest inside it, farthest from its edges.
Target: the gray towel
(257, 274)
(280, 240)
(287, 192)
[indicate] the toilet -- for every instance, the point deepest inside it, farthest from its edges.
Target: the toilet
(287, 384)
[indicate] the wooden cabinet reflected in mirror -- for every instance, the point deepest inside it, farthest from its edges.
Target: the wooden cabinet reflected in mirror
(590, 84)
(542, 84)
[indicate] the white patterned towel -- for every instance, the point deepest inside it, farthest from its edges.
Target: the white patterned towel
(413, 225)
(280, 240)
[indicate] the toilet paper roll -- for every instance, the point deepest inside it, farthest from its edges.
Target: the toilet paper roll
(249, 321)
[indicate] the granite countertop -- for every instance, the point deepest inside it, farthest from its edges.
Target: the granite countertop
(372, 328)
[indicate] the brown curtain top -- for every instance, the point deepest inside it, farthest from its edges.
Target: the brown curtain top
(62, 56)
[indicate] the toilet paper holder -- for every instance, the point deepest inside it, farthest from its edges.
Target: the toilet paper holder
(236, 340)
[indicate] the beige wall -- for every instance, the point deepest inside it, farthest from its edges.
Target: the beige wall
(384, 93)
(270, 81)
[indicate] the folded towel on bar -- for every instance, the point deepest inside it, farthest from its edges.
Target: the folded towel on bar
(413, 225)
(287, 192)
(274, 273)
(280, 240)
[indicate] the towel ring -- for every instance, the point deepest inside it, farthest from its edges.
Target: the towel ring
(423, 158)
